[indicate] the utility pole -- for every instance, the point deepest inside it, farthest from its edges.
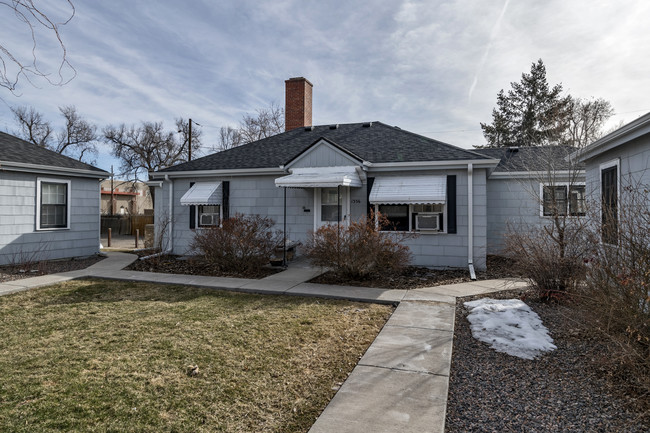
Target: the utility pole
(112, 193)
(189, 139)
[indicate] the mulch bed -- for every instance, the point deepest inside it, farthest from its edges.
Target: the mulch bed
(45, 267)
(563, 390)
(173, 264)
(414, 277)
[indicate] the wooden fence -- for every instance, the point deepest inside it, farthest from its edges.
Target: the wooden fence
(125, 224)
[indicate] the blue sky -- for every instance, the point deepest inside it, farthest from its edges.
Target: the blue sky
(431, 67)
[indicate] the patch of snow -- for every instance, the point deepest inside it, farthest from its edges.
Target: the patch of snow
(509, 326)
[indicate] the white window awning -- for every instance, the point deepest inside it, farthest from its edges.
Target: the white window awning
(203, 193)
(409, 190)
(320, 177)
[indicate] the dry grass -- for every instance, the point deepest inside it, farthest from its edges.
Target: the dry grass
(109, 356)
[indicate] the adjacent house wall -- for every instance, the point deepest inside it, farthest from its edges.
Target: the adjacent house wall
(634, 168)
(442, 250)
(511, 203)
(514, 203)
(249, 195)
(258, 195)
(19, 239)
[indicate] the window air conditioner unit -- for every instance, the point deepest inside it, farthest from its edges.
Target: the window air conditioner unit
(427, 221)
(208, 220)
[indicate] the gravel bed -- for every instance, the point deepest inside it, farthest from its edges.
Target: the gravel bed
(560, 391)
(415, 277)
(46, 267)
(173, 264)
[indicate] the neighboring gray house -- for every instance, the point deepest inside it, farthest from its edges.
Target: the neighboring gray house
(457, 200)
(49, 203)
(421, 184)
(522, 188)
(615, 163)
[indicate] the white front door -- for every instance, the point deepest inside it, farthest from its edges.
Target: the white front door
(331, 205)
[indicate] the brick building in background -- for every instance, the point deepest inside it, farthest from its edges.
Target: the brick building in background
(128, 198)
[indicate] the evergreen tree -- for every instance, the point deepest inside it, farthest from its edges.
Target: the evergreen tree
(530, 114)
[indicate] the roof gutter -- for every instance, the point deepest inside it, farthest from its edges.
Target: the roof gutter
(625, 133)
(532, 174)
(48, 169)
(381, 166)
(212, 173)
(423, 165)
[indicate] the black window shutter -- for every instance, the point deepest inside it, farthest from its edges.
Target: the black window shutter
(192, 212)
(225, 199)
(610, 204)
(451, 204)
(370, 182)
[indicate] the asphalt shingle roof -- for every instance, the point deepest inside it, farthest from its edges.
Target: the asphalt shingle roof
(378, 143)
(532, 158)
(14, 149)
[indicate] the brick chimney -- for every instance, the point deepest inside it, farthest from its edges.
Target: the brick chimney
(297, 110)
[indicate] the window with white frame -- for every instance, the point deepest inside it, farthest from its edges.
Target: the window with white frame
(411, 203)
(208, 215)
(426, 218)
(563, 200)
(53, 204)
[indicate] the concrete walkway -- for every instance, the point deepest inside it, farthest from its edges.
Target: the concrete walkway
(399, 385)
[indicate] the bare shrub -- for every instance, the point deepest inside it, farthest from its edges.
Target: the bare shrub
(617, 293)
(23, 260)
(162, 239)
(553, 266)
(243, 243)
(360, 249)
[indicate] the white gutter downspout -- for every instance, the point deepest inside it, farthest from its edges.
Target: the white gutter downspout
(171, 219)
(470, 220)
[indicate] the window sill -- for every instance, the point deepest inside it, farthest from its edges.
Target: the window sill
(417, 232)
(51, 229)
(565, 216)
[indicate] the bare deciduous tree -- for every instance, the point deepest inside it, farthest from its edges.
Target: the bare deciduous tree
(149, 146)
(77, 139)
(267, 122)
(229, 137)
(585, 120)
(15, 65)
(33, 126)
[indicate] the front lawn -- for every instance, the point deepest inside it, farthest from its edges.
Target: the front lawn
(112, 356)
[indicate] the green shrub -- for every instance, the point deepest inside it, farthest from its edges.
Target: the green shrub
(243, 243)
(359, 249)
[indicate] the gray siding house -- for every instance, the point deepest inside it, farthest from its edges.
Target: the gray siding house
(457, 201)
(615, 164)
(49, 204)
(520, 188)
(335, 173)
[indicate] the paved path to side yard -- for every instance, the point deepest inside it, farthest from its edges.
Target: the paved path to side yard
(399, 385)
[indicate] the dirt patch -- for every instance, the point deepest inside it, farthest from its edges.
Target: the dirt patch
(172, 264)
(45, 267)
(414, 277)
